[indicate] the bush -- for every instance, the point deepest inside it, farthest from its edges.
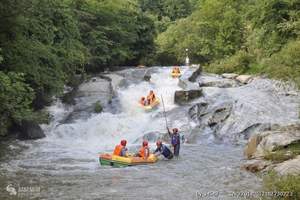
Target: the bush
(15, 97)
(285, 64)
(238, 63)
(283, 154)
(274, 183)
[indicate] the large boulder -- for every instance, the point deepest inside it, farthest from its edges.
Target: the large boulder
(229, 75)
(182, 97)
(30, 130)
(289, 167)
(268, 141)
(222, 83)
(256, 165)
(188, 78)
(147, 75)
(244, 78)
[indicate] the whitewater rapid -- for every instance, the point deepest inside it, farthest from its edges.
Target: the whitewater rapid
(65, 163)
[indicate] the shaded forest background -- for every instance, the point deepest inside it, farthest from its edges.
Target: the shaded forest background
(44, 44)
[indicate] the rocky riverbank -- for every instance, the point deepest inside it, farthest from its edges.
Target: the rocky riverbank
(254, 111)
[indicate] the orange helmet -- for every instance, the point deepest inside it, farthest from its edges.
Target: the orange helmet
(123, 142)
(145, 143)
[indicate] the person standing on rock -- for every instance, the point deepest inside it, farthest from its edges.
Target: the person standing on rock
(175, 140)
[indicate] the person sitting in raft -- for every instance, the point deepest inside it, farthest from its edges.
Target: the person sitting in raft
(175, 141)
(151, 97)
(120, 149)
(144, 151)
(176, 70)
(163, 149)
(143, 101)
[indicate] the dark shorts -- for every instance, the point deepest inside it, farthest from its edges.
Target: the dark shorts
(176, 150)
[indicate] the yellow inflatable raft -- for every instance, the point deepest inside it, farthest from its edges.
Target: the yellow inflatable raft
(118, 161)
(175, 75)
(152, 105)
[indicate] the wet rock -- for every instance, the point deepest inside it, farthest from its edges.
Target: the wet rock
(147, 75)
(30, 130)
(219, 116)
(252, 145)
(244, 78)
(182, 97)
(151, 137)
(97, 90)
(116, 81)
(223, 83)
(256, 128)
(269, 141)
(188, 78)
(289, 167)
(256, 165)
(198, 110)
(229, 75)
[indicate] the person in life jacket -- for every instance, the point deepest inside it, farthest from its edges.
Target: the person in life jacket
(143, 101)
(176, 70)
(144, 151)
(175, 140)
(163, 149)
(120, 149)
(151, 97)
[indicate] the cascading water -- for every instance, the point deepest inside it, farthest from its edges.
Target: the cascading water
(65, 163)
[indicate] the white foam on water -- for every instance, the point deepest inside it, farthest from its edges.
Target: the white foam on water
(84, 139)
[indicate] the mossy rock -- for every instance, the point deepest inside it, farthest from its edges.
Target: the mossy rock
(98, 107)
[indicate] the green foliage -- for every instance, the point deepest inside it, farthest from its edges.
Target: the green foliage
(98, 108)
(238, 63)
(211, 32)
(50, 42)
(283, 154)
(15, 97)
(115, 32)
(286, 63)
(166, 12)
(289, 183)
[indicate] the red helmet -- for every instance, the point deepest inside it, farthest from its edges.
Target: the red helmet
(158, 143)
(123, 142)
(145, 143)
(175, 130)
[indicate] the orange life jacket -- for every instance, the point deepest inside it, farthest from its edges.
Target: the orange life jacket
(151, 97)
(118, 150)
(144, 152)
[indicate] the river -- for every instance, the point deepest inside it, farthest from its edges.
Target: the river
(65, 165)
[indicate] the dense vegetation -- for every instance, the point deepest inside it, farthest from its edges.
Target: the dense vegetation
(45, 43)
(243, 36)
